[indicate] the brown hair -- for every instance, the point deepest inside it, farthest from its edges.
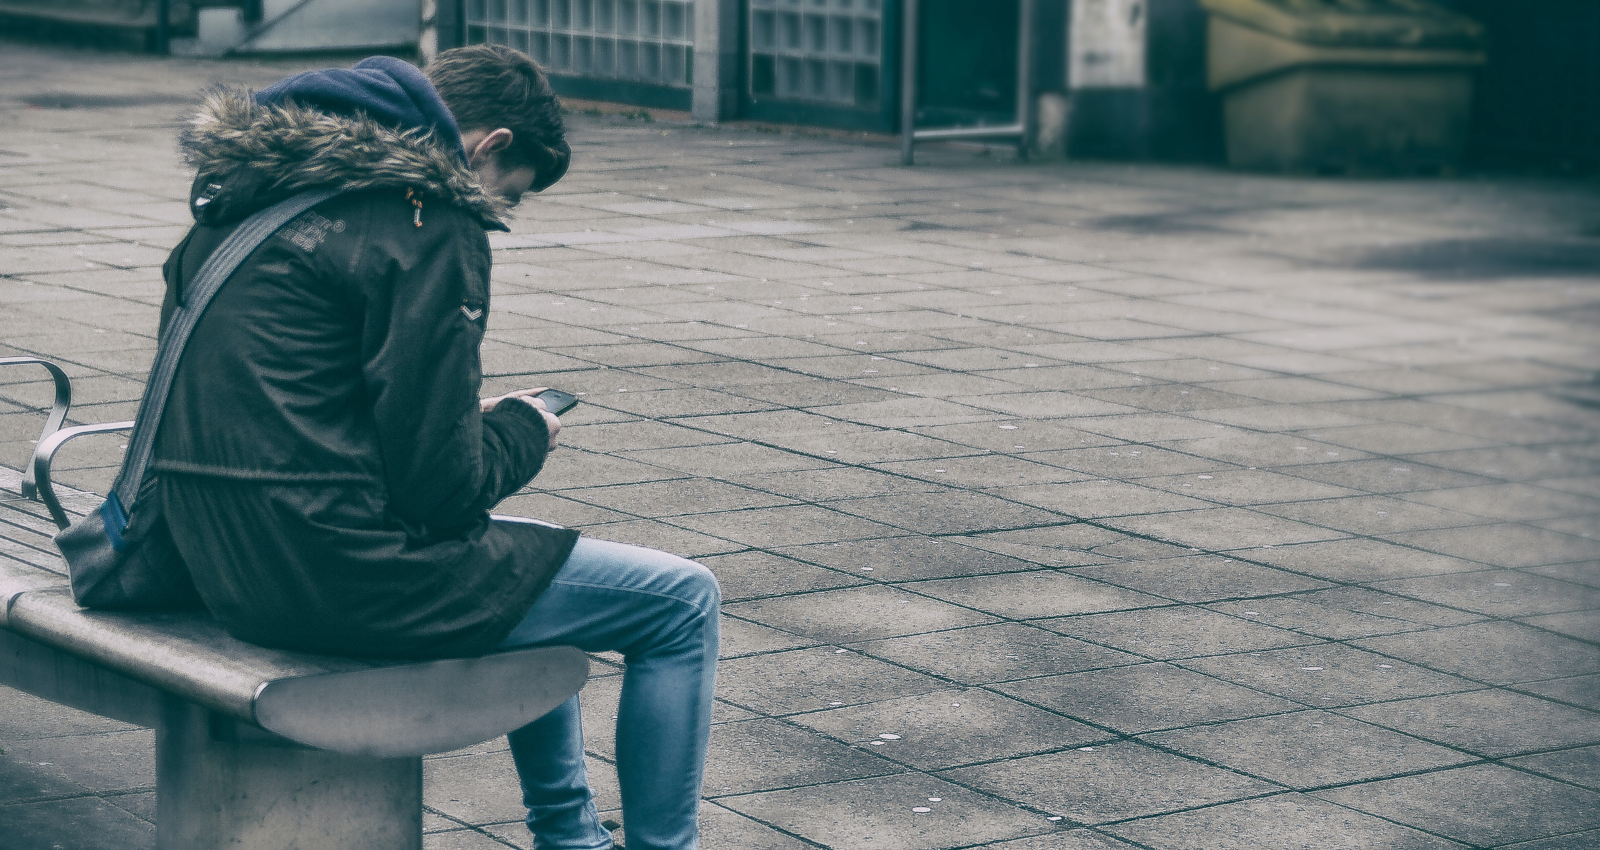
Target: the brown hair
(488, 86)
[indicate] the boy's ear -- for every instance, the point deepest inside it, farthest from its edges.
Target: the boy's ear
(493, 142)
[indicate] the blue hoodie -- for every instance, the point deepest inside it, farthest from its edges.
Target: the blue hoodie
(387, 90)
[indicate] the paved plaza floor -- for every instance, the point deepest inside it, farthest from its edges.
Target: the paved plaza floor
(1057, 506)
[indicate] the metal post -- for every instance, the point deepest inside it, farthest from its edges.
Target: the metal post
(908, 81)
(1024, 76)
(163, 43)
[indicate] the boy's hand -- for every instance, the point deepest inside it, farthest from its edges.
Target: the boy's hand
(551, 423)
(488, 404)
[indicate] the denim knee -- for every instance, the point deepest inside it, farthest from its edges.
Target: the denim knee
(703, 588)
(694, 591)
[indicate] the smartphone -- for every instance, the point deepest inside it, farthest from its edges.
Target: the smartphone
(557, 402)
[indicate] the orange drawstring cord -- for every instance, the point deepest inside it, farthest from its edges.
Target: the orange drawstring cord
(416, 201)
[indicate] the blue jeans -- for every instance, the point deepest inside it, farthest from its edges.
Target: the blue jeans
(660, 611)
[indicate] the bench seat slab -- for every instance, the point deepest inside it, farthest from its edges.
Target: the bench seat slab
(48, 673)
(361, 707)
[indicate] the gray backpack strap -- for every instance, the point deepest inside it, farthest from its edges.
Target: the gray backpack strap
(214, 272)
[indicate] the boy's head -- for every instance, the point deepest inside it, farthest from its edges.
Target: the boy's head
(510, 119)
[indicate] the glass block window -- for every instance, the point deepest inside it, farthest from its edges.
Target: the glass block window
(646, 41)
(823, 51)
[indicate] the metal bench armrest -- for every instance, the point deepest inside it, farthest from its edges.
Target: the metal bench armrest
(45, 454)
(58, 409)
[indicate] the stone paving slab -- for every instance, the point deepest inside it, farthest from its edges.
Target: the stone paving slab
(1057, 506)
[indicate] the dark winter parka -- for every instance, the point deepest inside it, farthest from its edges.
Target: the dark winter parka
(323, 464)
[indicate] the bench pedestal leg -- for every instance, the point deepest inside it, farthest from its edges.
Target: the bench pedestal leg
(221, 784)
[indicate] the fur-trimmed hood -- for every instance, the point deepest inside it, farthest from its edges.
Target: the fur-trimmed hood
(249, 155)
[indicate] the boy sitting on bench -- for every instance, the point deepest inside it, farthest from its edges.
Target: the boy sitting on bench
(326, 468)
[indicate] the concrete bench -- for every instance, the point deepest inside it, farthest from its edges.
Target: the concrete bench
(255, 747)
